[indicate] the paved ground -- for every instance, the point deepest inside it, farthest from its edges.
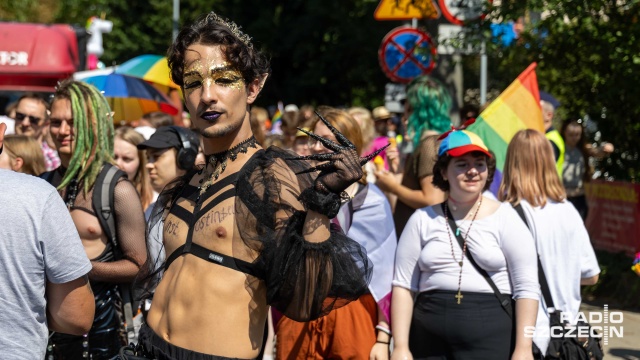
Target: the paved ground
(628, 346)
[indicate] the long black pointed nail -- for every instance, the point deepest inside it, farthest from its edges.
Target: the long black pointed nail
(341, 138)
(304, 157)
(326, 142)
(322, 167)
(316, 157)
(369, 157)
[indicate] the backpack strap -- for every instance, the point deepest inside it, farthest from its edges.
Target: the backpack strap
(103, 204)
(544, 285)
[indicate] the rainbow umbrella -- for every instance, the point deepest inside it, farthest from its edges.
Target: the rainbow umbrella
(129, 97)
(152, 68)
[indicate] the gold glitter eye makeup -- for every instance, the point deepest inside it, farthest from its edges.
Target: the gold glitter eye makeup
(191, 82)
(217, 73)
(229, 78)
(192, 77)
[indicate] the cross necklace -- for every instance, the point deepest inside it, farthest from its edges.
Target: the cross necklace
(459, 295)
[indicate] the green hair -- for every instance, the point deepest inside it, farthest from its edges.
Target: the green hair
(430, 102)
(92, 129)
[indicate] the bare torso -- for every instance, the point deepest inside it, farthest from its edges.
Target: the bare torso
(91, 234)
(203, 306)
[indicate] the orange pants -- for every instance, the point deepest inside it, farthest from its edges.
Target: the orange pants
(346, 333)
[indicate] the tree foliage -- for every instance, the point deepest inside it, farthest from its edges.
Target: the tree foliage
(325, 51)
(588, 55)
(322, 52)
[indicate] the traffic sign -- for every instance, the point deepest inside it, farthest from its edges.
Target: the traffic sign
(393, 96)
(459, 11)
(406, 10)
(406, 53)
(448, 36)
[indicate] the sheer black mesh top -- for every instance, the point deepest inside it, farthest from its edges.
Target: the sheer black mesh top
(303, 280)
(129, 229)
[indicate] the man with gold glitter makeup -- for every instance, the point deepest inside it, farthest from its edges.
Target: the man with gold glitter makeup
(250, 228)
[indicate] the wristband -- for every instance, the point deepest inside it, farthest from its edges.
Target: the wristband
(382, 342)
(322, 188)
(323, 203)
(383, 329)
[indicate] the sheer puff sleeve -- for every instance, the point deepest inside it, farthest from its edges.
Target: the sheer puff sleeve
(304, 280)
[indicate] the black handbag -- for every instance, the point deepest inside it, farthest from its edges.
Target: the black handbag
(573, 348)
(566, 347)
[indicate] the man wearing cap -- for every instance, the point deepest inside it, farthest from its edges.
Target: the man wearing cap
(171, 152)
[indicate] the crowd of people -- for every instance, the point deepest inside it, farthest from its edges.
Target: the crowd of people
(318, 233)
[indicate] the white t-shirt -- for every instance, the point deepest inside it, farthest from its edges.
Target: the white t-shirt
(38, 242)
(500, 243)
(566, 256)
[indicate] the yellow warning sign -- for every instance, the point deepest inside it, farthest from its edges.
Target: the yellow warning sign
(406, 10)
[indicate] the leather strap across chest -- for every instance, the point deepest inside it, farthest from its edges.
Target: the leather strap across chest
(192, 193)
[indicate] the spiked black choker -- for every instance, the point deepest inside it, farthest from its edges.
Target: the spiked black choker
(218, 161)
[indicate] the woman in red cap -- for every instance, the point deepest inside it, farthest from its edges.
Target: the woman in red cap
(467, 259)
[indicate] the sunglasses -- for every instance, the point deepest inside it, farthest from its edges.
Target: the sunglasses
(20, 116)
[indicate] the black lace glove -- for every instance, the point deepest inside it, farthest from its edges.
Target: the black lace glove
(342, 168)
(323, 203)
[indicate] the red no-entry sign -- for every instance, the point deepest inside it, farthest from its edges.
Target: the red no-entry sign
(406, 53)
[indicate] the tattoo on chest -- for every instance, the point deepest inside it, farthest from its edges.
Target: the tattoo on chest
(171, 227)
(214, 217)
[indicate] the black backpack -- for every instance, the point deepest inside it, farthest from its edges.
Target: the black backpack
(103, 204)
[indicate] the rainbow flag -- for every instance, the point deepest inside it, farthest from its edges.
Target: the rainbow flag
(277, 117)
(275, 125)
(517, 108)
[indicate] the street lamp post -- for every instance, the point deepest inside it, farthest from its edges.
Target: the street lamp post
(176, 18)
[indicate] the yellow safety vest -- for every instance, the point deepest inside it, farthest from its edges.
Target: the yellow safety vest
(555, 137)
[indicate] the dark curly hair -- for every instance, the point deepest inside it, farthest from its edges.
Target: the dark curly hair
(443, 162)
(211, 29)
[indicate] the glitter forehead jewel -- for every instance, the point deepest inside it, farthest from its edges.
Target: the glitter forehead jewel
(235, 29)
